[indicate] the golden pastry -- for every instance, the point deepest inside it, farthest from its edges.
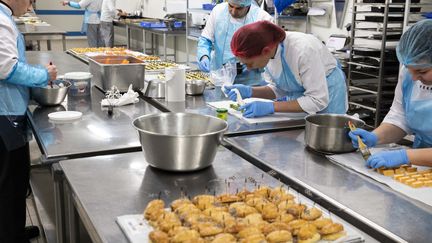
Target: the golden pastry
(279, 236)
(186, 236)
(275, 227)
(204, 201)
(240, 209)
(296, 224)
(228, 198)
(331, 228)
(307, 231)
(284, 218)
(186, 209)
(296, 209)
(321, 222)
(208, 228)
(315, 238)
(280, 194)
(158, 236)
(175, 230)
(334, 236)
(168, 221)
(269, 211)
(311, 214)
(224, 238)
(257, 238)
(179, 202)
(262, 191)
(154, 209)
(249, 231)
(285, 204)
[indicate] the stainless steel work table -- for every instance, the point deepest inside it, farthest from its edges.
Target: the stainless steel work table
(124, 184)
(285, 153)
(38, 33)
(96, 133)
(236, 126)
(164, 32)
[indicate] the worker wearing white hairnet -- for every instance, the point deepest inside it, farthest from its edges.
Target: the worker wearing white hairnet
(411, 111)
(16, 77)
(91, 22)
(214, 44)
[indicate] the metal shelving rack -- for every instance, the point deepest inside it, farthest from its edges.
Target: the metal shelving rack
(373, 67)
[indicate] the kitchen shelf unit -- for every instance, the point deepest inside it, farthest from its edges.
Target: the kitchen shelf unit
(373, 68)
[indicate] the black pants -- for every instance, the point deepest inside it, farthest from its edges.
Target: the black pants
(14, 181)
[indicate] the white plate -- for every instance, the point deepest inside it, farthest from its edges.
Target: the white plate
(65, 115)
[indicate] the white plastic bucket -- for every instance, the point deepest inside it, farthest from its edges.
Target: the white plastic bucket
(81, 83)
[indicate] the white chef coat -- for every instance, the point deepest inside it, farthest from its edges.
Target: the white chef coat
(209, 31)
(108, 10)
(396, 115)
(93, 6)
(8, 44)
(310, 62)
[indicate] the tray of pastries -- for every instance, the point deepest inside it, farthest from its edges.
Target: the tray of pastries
(99, 50)
(158, 65)
(409, 175)
(262, 215)
(191, 76)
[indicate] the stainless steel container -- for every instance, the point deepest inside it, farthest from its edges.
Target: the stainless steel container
(50, 96)
(329, 132)
(179, 141)
(195, 87)
(120, 71)
(154, 88)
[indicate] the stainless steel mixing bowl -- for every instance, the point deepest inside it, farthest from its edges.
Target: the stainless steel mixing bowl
(48, 96)
(329, 132)
(179, 141)
(195, 87)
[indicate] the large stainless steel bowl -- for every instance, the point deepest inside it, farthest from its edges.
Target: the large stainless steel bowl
(179, 141)
(50, 96)
(329, 132)
(195, 87)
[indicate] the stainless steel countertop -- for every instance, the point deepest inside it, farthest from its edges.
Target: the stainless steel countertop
(96, 132)
(65, 63)
(198, 104)
(285, 153)
(124, 184)
(28, 29)
(158, 31)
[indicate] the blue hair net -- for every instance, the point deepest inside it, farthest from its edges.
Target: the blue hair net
(241, 3)
(415, 46)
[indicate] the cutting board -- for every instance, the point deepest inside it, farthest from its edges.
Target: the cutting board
(276, 117)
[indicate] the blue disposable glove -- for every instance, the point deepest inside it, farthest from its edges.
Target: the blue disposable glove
(369, 138)
(204, 64)
(245, 91)
(388, 159)
(257, 109)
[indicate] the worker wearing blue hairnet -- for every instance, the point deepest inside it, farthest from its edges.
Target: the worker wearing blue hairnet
(214, 49)
(16, 76)
(411, 111)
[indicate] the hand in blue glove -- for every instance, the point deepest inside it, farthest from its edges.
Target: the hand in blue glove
(388, 159)
(369, 138)
(257, 109)
(204, 64)
(245, 91)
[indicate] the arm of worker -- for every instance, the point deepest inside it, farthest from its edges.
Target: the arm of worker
(71, 4)
(420, 156)
(313, 79)
(205, 41)
(11, 69)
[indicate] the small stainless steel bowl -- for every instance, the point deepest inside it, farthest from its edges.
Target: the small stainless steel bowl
(329, 132)
(195, 87)
(50, 96)
(179, 141)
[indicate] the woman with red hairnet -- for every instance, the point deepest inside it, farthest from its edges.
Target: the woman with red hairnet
(303, 74)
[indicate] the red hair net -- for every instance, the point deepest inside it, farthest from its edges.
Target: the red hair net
(251, 39)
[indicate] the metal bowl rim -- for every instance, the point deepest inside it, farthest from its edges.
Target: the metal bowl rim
(333, 115)
(64, 81)
(178, 136)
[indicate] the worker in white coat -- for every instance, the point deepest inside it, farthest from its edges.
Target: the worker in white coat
(303, 75)
(108, 14)
(214, 50)
(411, 111)
(16, 78)
(91, 22)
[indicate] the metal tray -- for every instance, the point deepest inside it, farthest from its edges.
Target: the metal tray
(113, 70)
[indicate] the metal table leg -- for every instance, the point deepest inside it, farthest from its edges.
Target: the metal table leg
(58, 176)
(127, 37)
(165, 45)
(144, 41)
(64, 42)
(175, 48)
(71, 217)
(49, 45)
